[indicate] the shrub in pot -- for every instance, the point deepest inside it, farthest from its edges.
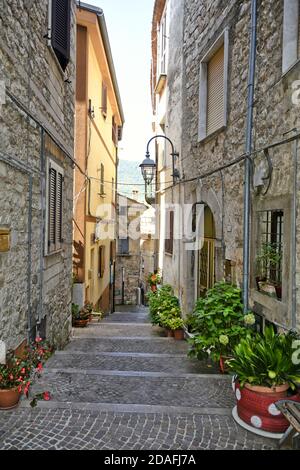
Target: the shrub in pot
(162, 305)
(176, 326)
(218, 323)
(80, 317)
(264, 372)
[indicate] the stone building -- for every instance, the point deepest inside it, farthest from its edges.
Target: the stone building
(135, 249)
(37, 80)
(99, 122)
(210, 86)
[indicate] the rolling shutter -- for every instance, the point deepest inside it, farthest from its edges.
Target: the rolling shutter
(55, 209)
(215, 92)
(60, 33)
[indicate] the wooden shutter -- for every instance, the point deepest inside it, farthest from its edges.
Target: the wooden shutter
(102, 192)
(170, 233)
(60, 34)
(52, 210)
(215, 92)
(101, 268)
(55, 209)
(104, 99)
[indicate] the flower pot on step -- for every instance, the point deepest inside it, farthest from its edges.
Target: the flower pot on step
(170, 333)
(256, 406)
(81, 323)
(179, 334)
(9, 398)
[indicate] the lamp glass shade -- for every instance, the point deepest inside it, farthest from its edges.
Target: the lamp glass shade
(148, 168)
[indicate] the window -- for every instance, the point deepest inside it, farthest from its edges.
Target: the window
(101, 261)
(54, 207)
(270, 252)
(104, 100)
(59, 25)
(124, 246)
(213, 88)
(163, 45)
(291, 34)
(102, 191)
(170, 232)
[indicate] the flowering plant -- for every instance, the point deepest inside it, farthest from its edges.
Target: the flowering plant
(154, 278)
(20, 371)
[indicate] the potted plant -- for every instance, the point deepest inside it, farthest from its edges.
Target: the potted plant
(218, 323)
(88, 309)
(267, 262)
(176, 326)
(18, 373)
(80, 317)
(264, 373)
(153, 280)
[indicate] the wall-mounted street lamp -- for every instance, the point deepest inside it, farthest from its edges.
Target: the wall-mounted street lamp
(148, 167)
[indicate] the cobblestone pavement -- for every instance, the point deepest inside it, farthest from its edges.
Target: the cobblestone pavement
(120, 385)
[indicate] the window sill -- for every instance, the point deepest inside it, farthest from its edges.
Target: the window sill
(208, 137)
(52, 253)
(169, 254)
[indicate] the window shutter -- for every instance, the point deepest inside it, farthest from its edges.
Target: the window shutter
(55, 209)
(170, 234)
(101, 268)
(215, 92)
(59, 205)
(60, 34)
(104, 99)
(102, 192)
(52, 209)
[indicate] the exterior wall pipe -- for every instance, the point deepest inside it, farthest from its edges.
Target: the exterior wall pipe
(42, 232)
(248, 148)
(294, 237)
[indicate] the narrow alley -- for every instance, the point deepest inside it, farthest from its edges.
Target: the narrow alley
(119, 384)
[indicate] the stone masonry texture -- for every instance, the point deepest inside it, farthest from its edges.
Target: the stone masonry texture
(32, 78)
(200, 24)
(128, 396)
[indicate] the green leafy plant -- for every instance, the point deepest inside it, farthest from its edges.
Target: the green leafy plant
(267, 260)
(175, 323)
(265, 360)
(218, 322)
(163, 305)
(81, 314)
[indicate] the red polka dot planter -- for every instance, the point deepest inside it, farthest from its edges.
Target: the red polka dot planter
(259, 410)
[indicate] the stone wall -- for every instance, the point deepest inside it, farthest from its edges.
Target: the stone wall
(36, 97)
(274, 115)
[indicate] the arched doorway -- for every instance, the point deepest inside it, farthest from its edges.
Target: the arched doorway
(206, 275)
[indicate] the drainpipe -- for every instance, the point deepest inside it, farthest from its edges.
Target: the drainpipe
(42, 199)
(294, 237)
(248, 148)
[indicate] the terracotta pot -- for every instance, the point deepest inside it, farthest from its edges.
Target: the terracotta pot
(258, 409)
(81, 323)
(154, 288)
(278, 392)
(179, 334)
(9, 398)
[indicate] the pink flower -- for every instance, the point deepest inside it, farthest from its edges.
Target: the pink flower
(46, 396)
(40, 366)
(38, 339)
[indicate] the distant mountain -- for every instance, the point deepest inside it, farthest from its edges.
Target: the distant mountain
(130, 174)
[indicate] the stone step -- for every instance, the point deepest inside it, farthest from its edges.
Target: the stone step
(126, 317)
(174, 364)
(100, 330)
(192, 391)
(128, 345)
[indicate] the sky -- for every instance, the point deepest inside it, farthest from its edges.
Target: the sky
(129, 27)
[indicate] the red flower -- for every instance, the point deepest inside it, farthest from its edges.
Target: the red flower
(11, 377)
(46, 396)
(23, 371)
(38, 339)
(26, 389)
(40, 366)
(20, 388)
